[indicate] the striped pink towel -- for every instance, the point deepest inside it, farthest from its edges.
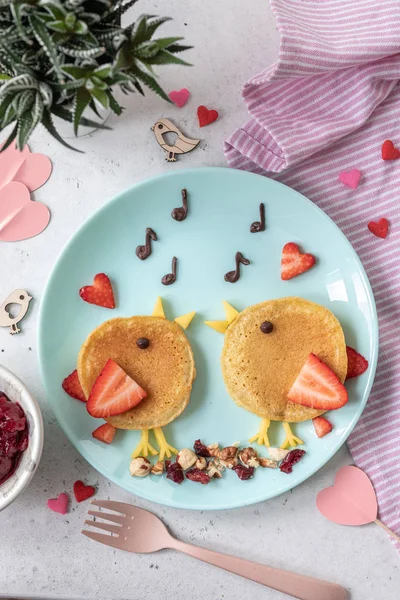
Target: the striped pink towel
(327, 106)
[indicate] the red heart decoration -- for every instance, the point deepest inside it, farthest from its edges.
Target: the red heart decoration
(83, 492)
(59, 504)
(206, 116)
(351, 500)
(179, 97)
(389, 152)
(380, 229)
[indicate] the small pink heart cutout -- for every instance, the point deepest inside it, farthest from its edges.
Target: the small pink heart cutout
(179, 97)
(29, 168)
(350, 178)
(351, 500)
(59, 504)
(20, 217)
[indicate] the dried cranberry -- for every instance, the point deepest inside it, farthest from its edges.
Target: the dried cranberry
(174, 472)
(291, 459)
(201, 449)
(198, 475)
(244, 472)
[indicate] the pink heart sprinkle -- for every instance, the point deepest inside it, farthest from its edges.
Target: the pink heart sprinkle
(59, 504)
(351, 500)
(20, 217)
(350, 178)
(179, 97)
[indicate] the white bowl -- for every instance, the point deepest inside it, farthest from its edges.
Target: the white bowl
(17, 392)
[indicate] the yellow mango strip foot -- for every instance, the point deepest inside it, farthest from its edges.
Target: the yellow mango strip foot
(220, 326)
(230, 312)
(185, 320)
(144, 448)
(262, 436)
(158, 310)
(165, 449)
(290, 440)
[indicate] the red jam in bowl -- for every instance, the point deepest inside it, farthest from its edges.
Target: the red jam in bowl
(13, 436)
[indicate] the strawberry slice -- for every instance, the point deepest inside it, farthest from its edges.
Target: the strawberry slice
(293, 262)
(100, 293)
(317, 386)
(72, 386)
(105, 433)
(322, 426)
(113, 393)
(356, 363)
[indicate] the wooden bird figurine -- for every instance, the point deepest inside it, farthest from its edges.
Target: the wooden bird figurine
(20, 297)
(182, 143)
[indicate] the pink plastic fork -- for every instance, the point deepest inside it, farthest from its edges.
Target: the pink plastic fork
(137, 530)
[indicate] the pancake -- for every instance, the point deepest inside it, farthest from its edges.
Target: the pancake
(165, 369)
(259, 369)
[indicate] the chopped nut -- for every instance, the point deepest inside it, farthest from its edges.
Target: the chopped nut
(228, 452)
(140, 467)
(254, 462)
(229, 463)
(186, 458)
(215, 469)
(213, 450)
(246, 455)
(158, 468)
(201, 463)
(267, 463)
(277, 453)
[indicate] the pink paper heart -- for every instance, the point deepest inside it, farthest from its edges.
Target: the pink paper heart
(351, 500)
(350, 178)
(59, 504)
(179, 97)
(20, 217)
(33, 170)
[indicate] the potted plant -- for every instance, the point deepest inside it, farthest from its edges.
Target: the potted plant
(60, 57)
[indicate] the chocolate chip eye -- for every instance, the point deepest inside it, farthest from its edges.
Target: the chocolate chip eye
(143, 343)
(266, 327)
(160, 126)
(21, 297)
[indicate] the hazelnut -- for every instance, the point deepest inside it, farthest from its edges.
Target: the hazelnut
(213, 450)
(228, 452)
(201, 463)
(246, 455)
(140, 467)
(215, 469)
(186, 458)
(267, 463)
(158, 468)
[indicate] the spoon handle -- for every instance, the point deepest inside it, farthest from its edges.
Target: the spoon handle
(298, 586)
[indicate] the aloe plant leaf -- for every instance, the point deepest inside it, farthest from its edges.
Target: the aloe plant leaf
(101, 96)
(44, 39)
(49, 125)
(82, 99)
(67, 115)
(10, 139)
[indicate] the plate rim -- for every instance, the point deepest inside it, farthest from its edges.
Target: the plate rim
(173, 503)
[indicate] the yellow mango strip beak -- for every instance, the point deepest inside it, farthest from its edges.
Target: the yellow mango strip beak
(185, 320)
(158, 309)
(230, 312)
(220, 326)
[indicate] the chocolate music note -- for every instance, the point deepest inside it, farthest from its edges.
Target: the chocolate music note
(233, 276)
(180, 214)
(170, 277)
(259, 225)
(143, 252)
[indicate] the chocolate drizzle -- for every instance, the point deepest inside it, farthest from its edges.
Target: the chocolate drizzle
(233, 276)
(143, 252)
(180, 213)
(259, 225)
(170, 277)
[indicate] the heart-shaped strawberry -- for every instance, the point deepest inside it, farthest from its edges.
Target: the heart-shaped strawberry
(20, 217)
(380, 229)
(389, 152)
(59, 504)
(83, 492)
(100, 293)
(351, 500)
(206, 116)
(350, 178)
(179, 97)
(293, 262)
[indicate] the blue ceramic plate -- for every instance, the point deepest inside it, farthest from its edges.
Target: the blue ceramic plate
(222, 205)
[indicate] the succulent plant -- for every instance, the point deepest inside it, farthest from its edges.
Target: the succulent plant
(59, 57)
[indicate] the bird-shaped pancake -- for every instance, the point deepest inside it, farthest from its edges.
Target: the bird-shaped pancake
(20, 297)
(266, 346)
(182, 144)
(156, 353)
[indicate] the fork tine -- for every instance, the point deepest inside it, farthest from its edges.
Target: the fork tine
(107, 516)
(103, 538)
(105, 526)
(116, 506)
